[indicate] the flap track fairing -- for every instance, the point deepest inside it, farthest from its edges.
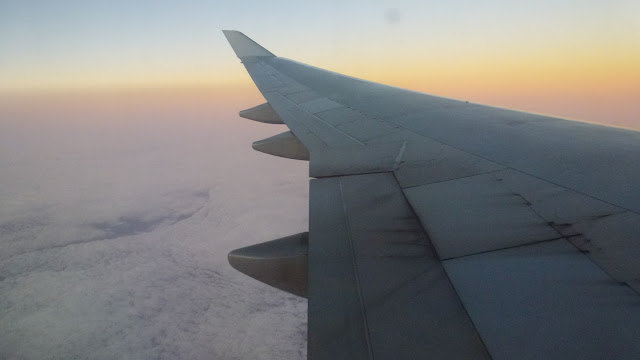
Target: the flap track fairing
(284, 145)
(263, 113)
(281, 263)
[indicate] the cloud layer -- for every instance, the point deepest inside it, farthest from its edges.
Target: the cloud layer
(114, 231)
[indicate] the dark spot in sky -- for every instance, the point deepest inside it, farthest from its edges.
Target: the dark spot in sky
(392, 16)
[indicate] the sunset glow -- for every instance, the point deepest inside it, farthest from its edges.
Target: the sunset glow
(570, 59)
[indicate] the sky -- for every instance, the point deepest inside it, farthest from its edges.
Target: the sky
(577, 59)
(126, 175)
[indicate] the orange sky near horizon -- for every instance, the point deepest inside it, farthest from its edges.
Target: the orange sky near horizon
(593, 89)
(582, 86)
(579, 60)
(578, 104)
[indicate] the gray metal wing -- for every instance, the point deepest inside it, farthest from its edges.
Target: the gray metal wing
(447, 229)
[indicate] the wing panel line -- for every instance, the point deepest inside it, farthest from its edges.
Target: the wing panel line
(354, 263)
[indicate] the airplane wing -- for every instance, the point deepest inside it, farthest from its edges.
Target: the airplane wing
(445, 229)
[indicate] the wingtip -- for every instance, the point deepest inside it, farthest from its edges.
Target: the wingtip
(243, 45)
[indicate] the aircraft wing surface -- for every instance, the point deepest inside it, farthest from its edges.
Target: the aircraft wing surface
(440, 228)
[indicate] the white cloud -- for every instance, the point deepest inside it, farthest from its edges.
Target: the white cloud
(113, 244)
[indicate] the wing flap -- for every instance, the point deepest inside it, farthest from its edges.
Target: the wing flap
(547, 301)
(376, 286)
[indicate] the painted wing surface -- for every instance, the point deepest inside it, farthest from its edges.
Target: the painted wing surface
(446, 229)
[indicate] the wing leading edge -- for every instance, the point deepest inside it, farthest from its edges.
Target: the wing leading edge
(454, 230)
